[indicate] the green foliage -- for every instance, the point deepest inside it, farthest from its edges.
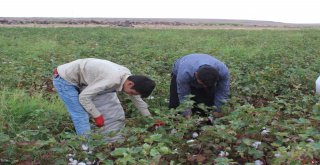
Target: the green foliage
(272, 114)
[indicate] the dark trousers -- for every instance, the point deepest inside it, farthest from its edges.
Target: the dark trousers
(201, 95)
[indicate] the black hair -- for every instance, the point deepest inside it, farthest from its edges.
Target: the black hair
(142, 84)
(208, 75)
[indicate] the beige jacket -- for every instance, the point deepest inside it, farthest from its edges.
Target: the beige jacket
(98, 76)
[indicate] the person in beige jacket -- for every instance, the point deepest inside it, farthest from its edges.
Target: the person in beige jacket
(79, 82)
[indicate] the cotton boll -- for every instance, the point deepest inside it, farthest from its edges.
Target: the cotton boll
(318, 86)
(277, 155)
(310, 140)
(223, 154)
(195, 134)
(173, 131)
(256, 144)
(150, 98)
(265, 132)
(190, 141)
(84, 147)
(70, 157)
(74, 162)
(258, 162)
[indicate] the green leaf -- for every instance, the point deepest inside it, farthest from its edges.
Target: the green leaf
(255, 153)
(164, 150)
(58, 150)
(247, 141)
(146, 146)
(101, 156)
(4, 138)
(222, 161)
(154, 152)
(135, 150)
(108, 162)
(316, 146)
(118, 152)
(282, 134)
(156, 137)
(302, 121)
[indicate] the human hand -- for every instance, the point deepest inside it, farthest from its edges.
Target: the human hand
(156, 125)
(159, 123)
(99, 121)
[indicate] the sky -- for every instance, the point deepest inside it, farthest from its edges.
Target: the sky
(286, 11)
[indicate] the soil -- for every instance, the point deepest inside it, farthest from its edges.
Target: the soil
(149, 23)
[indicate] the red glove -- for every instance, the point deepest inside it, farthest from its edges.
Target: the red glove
(99, 121)
(159, 123)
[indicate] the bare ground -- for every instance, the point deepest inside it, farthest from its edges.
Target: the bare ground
(151, 23)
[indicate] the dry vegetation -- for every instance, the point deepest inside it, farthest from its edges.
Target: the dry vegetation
(150, 23)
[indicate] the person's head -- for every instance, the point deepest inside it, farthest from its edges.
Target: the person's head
(207, 76)
(139, 85)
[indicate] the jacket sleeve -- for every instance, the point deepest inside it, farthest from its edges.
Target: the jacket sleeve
(222, 92)
(183, 87)
(140, 104)
(86, 96)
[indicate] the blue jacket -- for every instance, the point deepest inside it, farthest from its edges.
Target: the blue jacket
(185, 67)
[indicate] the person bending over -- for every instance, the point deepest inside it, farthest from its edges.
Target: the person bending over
(79, 82)
(204, 77)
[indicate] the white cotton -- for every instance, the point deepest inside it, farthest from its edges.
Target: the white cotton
(190, 141)
(74, 162)
(84, 147)
(223, 154)
(258, 162)
(70, 155)
(256, 144)
(318, 86)
(173, 131)
(195, 134)
(265, 132)
(310, 140)
(277, 155)
(150, 98)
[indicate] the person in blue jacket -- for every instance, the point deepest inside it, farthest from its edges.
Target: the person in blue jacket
(204, 77)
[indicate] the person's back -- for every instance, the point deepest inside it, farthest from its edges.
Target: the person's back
(89, 70)
(191, 63)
